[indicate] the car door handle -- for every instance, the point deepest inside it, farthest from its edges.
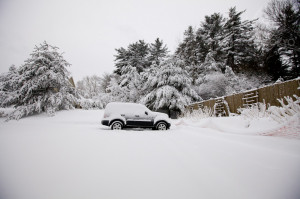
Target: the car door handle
(137, 116)
(123, 115)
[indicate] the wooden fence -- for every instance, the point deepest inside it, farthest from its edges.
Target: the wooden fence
(268, 94)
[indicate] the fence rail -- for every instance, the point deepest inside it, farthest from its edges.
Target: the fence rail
(268, 94)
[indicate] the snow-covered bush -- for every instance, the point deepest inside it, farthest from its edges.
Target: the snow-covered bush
(289, 109)
(205, 112)
(254, 111)
(90, 104)
(213, 85)
(4, 112)
(41, 84)
(211, 82)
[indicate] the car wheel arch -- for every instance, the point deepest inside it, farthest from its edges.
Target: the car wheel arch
(161, 121)
(115, 120)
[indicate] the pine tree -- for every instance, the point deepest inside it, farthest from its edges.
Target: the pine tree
(284, 38)
(136, 55)
(121, 59)
(105, 79)
(8, 86)
(148, 77)
(238, 42)
(43, 84)
(211, 31)
(187, 49)
(273, 63)
(130, 82)
(115, 93)
(158, 51)
(170, 87)
(139, 53)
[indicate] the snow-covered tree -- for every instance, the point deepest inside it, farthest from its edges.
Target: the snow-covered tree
(42, 84)
(284, 41)
(171, 87)
(238, 41)
(191, 51)
(122, 59)
(211, 31)
(89, 87)
(115, 93)
(147, 78)
(130, 82)
(105, 79)
(211, 82)
(95, 103)
(158, 51)
(136, 55)
(139, 55)
(8, 86)
(187, 50)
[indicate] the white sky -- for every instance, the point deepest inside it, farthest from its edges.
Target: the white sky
(89, 31)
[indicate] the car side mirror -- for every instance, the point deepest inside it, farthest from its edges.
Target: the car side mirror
(146, 112)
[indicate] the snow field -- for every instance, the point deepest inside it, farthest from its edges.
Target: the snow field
(71, 155)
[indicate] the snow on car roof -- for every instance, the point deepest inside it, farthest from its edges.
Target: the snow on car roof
(118, 107)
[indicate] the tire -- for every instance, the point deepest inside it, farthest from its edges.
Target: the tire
(161, 126)
(116, 125)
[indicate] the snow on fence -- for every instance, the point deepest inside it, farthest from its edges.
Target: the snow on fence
(268, 94)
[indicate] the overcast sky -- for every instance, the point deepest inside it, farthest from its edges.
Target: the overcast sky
(88, 31)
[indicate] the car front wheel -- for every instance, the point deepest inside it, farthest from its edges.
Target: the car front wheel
(161, 126)
(117, 125)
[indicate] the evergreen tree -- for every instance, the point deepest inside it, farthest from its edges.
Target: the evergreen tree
(122, 59)
(42, 84)
(273, 63)
(238, 42)
(130, 82)
(187, 49)
(136, 55)
(115, 93)
(285, 38)
(211, 31)
(158, 51)
(8, 86)
(139, 53)
(171, 87)
(105, 79)
(147, 78)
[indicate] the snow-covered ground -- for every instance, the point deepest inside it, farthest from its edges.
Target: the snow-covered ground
(72, 156)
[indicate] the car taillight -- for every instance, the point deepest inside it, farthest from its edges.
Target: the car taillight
(105, 116)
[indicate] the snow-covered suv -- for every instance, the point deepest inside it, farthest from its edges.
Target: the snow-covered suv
(120, 115)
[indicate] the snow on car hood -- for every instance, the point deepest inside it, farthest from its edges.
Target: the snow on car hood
(161, 116)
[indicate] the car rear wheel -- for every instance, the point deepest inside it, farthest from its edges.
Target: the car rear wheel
(117, 125)
(161, 126)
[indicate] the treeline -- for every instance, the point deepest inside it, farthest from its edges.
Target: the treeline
(225, 54)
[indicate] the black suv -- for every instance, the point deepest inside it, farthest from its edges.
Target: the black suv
(120, 115)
